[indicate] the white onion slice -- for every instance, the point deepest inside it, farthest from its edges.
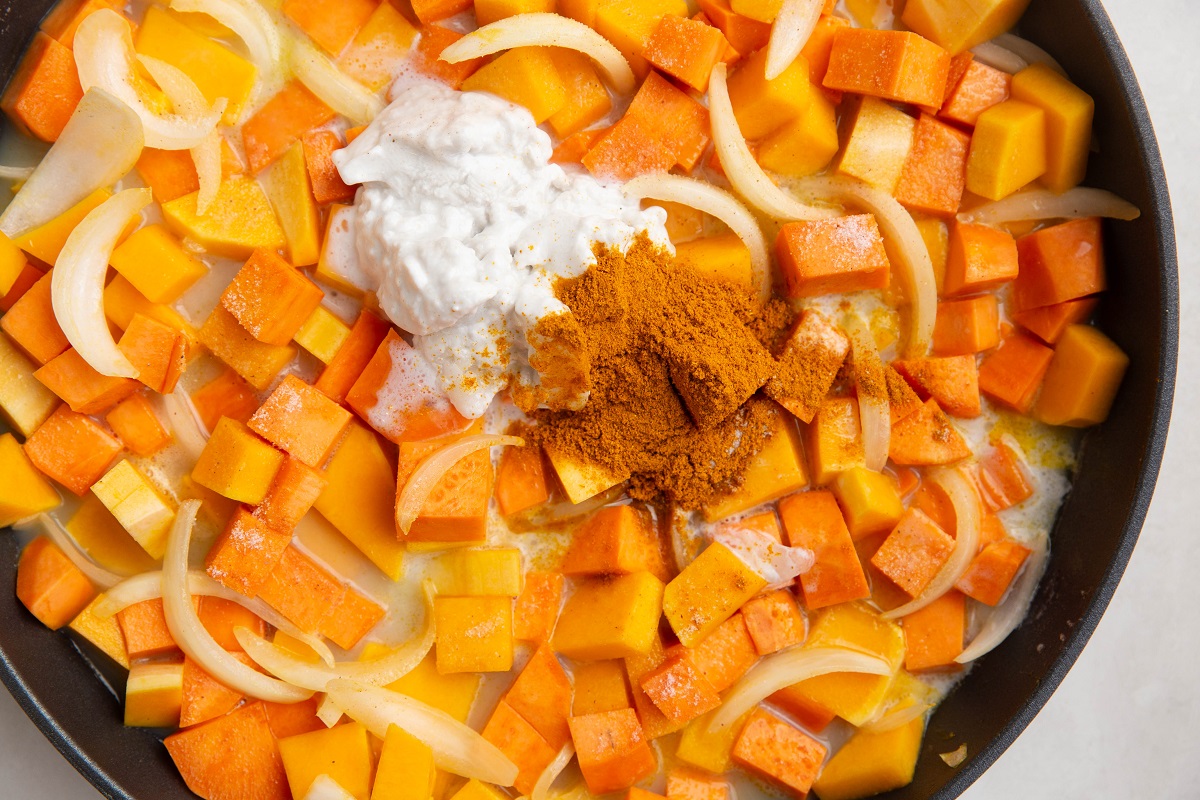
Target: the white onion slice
(99, 145)
(541, 29)
(333, 87)
(329, 712)
(15, 173)
(967, 519)
(456, 747)
(743, 171)
(1041, 204)
(776, 563)
(66, 542)
(874, 408)
(326, 788)
(1007, 617)
(787, 668)
(430, 471)
(999, 57)
(894, 719)
(191, 636)
(908, 252)
(790, 32)
(541, 789)
(249, 21)
(1028, 51)
(105, 56)
(188, 99)
(715, 202)
(77, 282)
(955, 757)
(282, 664)
(184, 422)
(564, 511)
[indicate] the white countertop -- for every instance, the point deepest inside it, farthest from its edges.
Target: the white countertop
(1126, 722)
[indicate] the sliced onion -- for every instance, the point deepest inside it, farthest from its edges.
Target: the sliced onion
(541, 789)
(100, 144)
(329, 712)
(967, 513)
(1007, 617)
(1042, 204)
(282, 664)
(95, 573)
(907, 248)
(998, 57)
(15, 173)
(546, 516)
(743, 171)
(897, 717)
(148, 586)
(541, 29)
(787, 668)
(187, 99)
(776, 563)
(790, 32)
(185, 422)
(430, 471)
(249, 21)
(77, 282)
(326, 788)
(955, 757)
(1028, 51)
(189, 633)
(333, 87)
(874, 408)
(105, 56)
(456, 748)
(718, 203)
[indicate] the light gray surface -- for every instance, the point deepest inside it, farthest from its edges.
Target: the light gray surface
(1124, 724)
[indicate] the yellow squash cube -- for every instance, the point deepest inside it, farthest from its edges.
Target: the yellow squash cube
(104, 633)
(475, 572)
(135, 503)
(217, 71)
(724, 257)
(25, 402)
(12, 263)
(156, 264)
(709, 750)
(122, 300)
(1069, 111)
(599, 686)
(579, 480)
(870, 501)
(474, 634)
(382, 43)
(454, 694)
(488, 11)
(587, 99)
(104, 540)
(805, 145)
(47, 242)
(406, 770)
(525, 76)
(342, 752)
(1083, 378)
(628, 24)
(477, 790)
(24, 491)
(777, 470)
(834, 443)
(878, 139)
(291, 196)
(854, 697)
(762, 106)
(958, 25)
(870, 763)
(238, 222)
(154, 695)
(360, 499)
(579, 10)
(610, 618)
(761, 10)
(322, 334)
(708, 592)
(1008, 149)
(237, 464)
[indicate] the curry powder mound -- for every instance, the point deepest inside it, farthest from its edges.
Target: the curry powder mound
(671, 363)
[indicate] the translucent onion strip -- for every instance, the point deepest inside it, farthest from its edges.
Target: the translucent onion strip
(745, 175)
(190, 634)
(100, 144)
(894, 719)
(326, 788)
(999, 57)
(188, 99)
(184, 422)
(715, 202)
(787, 667)
(15, 173)
(456, 747)
(249, 21)
(431, 470)
(540, 29)
(282, 664)
(95, 573)
(333, 87)
(541, 789)
(908, 251)
(790, 32)
(1042, 204)
(967, 519)
(1028, 51)
(778, 564)
(1007, 617)
(77, 282)
(105, 56)
(874, 408)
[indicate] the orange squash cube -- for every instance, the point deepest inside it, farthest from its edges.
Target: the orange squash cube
(144, 626)
(1003, 482)
(356, 352)
(52, 588)
(302, 591)
(818, 47)
(612, 750)
(979, 258)
(353, 619)
(1060, 263)
(893, 65)
(992, 571)
(428, 11)
(327, 184)
(256, 362)
(726, 654)
(158, 351)
(966, 327)
(600, 686)
(536, 608)
(834, 440)
(774, 621)
(1012, 374)
(205, 698)
(31, 324)
(686, 49)
(616, 540)
(301, 421)
(245, 553)
(518, 740)
(456, 509)
(137, 426)
(952, 381)
(812, 356)
(280, 123)
(226, 395)
(542, 695)
(832, 256)
(42, 95)
(935, 173)
(330, 23)
(237, 749)
(979, 88)
(587, 100)
(520, 480)
(84, 389)
(913, 552)
(72, 449)
(934, 634)
(685, 783)
(270, 298)
(745, 35)
(293, 492)
(903, 401)
(434, 39)
(525, 76)
(927, 437)
(814, 520)
(779, 752)
(1049, 322)
(678, 688)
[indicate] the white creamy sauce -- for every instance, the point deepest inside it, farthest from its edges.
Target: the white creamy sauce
(462, 226)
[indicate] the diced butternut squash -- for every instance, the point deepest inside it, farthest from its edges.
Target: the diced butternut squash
(587, 100)
(1012, 374)
(203, 697)
(834, 441)
(610, 618)
(777, 470)
(480, 572)
(722, 257)
(226, 395)
(525, 76)
(804, 145)
(935, 173)
(934, 634)
(893, 65)
(979, 258)
(102, 632)
(878, 139)
(927, 437)
(144, 626)
(138, 505)
(1060, 263)
(1008, 149)
(159, 352)
(46, 242)
(353, 618)
(237, 464)
(280, 123)
(322, 334)
(541, 694)
(774, 621)
(170, 174)
(24, 492)
(454, 694)
(256, 362)
(1069, 111)
(52, 588)
(581, 480)
(616, 540)
(812, 356)
(72, 449)
(708, 592)
(655, 724)
(520, 480)
(331, 24)
(813, 520)
(536, 609)
(220, 617)
(869, 501)
(432, 10)
(1082, 379)
(42, 95)
(832, 256)
(473, 789)
(291, 195)
(979, 88)
(302, 590)
(745, 35)
(992, 571)
(686, 49)
(679, 689)
(31, 324)
(104, 540)
(84, 389)
(319, 146)
(154, 695)
(301, 421)
(1049, 322)
(600, 686)
(871, 763)
(726, 654)
(270, 298)
(707, 749)
(1003, 478)
(156, 264)
(25, 403)
(434, 39)
(233, 753)
(474, 634)
(612, 750)
(779, 752)
(356, 352)
(629, 24)
(457, 506)
(818, 47)
(24, 282)
(122, 302)
(959, 27)
(489, 11)
(952, 381)
(762, 106)
(914, 552)
(342, 752)
(238, 222)
(406, 770)
(967, 327)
